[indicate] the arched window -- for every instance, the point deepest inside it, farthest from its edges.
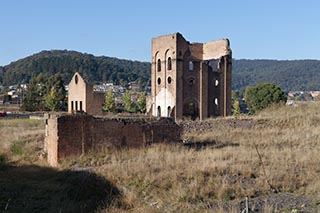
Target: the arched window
(169, 63)
(169, 111)
(190, 65)
(159, 65)
(159, 111)
(76, 79)
(216, 101)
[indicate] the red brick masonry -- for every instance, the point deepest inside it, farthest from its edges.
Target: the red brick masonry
(74, 135)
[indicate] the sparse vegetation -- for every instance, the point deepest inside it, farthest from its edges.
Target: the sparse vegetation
(217, 169)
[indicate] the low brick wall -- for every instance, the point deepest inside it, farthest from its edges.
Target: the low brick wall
(74, 135)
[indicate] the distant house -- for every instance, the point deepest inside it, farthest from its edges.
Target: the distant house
(82, 97)
(12, 92)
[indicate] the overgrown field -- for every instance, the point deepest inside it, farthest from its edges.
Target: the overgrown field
(271, 158)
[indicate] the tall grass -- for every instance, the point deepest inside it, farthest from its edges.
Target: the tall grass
(173, 177)
(276, 150)
(21, 139)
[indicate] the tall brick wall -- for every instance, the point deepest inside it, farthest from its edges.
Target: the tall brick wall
(74, 135)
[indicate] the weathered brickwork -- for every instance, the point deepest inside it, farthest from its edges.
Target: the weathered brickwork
(74, 135)
(190, 79)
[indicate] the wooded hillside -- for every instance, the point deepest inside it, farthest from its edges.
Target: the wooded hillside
(289, 75)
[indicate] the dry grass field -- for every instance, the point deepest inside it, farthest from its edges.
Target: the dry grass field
(271, 158)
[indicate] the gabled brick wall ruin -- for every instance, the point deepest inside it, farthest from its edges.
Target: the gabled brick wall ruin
(74, 135)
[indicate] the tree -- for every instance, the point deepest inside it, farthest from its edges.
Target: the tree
(33, 101)
(236, 108)
(263, 95)
(44, 93)
(129, 105)
(56, 86)
(141, 102)
(109, 103)
(235, 95)
(51, 100)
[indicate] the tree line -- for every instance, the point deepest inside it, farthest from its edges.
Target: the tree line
(294, 75)
(129, 105)
(47, 93)
(288, 75)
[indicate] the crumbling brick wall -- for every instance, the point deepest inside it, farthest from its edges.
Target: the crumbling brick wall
(74, 135)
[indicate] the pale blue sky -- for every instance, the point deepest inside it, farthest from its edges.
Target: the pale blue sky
(270, 29)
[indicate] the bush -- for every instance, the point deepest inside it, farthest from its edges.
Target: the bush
(262, 96)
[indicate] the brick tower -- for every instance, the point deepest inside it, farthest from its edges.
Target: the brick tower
(190, 79)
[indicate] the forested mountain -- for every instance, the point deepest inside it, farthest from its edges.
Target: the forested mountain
(289, 75)
(94, 69)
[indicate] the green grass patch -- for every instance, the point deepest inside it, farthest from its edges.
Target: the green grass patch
(17, 147)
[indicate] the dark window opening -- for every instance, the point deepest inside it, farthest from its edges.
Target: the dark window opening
(169, 80)
(169, 64)
(76, 79)
(192, 81)
(169, 111)
(159, 65)
(72, 107)
(76, 106)
(80, 106)
(159, 111)
(159, 81)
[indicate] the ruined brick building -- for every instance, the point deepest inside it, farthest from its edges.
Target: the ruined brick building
(82, 97)
(190, 79)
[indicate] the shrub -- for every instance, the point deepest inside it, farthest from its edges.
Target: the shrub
(262, 96)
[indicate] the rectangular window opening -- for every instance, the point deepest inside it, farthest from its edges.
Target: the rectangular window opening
(80, 106)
